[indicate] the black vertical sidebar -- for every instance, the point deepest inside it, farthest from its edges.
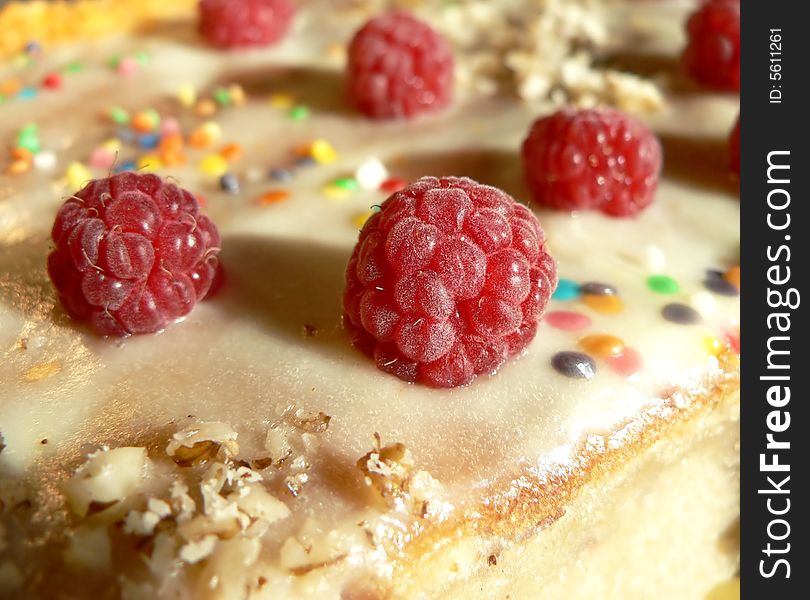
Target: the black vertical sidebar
(775, 171)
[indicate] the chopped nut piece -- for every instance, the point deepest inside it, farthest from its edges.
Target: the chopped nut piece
(309, 424)
(107, 476)
(194, 552)
(201, 443)
(259, 504)
(89, 547)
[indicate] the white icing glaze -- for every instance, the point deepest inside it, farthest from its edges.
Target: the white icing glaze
(242, 357)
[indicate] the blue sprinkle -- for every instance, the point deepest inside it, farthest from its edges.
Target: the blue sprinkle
(229, 183)
(27, 93)
(597, 288)
(281, 174)
(127, 165)
(715, 282)
(574, 364)
(306, 161)
(680, 314)
(149, 141)
(567, 289)
(33, 47)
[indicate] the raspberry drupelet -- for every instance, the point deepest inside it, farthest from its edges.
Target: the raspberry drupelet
(581, 159)
(712, 55)
(244, 23)
(399, 67)
(133, 254)
(447, 281)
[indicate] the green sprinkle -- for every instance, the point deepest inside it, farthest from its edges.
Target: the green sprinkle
(73, 67)
(142, 57)
(29, 129)
(662, 284)
(119, 116)
(154, 116)
(299, 112)
(29, 143)
(222, 96)
(347, 183)
(115, 60)
(2, 98)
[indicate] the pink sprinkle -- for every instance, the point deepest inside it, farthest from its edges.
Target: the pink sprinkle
(732, 337)
(127, 66)
(567, 320)
(52, 81)
(626, 364)
(101, 158)
(169, 126)
(393, 185)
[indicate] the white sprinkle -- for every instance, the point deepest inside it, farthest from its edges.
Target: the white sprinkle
(654, 258)
(371, 174)
(45, 160)
(704, 303)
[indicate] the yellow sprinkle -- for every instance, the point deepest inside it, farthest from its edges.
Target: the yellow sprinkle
(727, 590)
(212, 129)
(336, 51)
(112, 145)
(237, 93)
(360, 219)
(205, 107)
(281, 101)
(186, 95)
(43, 371)
(149, 163)
(334, 192)
(602, 345)
(214, 165)
(323, 152)
(77, 175)
(713, 346)
(605, 304)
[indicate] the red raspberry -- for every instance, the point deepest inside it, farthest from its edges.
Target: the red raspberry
(447, 281)
(592, 159)
(734, 147)
(712, 55)
(133, 253)
(399, 67)
(242, 23)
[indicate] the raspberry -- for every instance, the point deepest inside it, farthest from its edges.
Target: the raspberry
(447, 281)
(734, 148)
(712, 56)
(243, 23)
(133, 253)
(592, 159)
(399, 67)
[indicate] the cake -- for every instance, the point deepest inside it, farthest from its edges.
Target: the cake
(250, 451)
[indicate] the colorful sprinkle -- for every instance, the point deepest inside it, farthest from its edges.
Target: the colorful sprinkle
(574, 364)
(334, 192)
(119, 116)
(567, 289)
(601, 345)
(299, 112)
(274, 196)
(45, 160)
(231, 152)
(186, 95)
(713, 346)
(605, 304)
(222, 96)
(323, 152)
(627, 363)
(237, 93)
(149, 163)
(653, 258)
(733, 276)
(27, 93)
(281, 174)
(101, 158)
(567, 320)
(360, 219)
(229, 183)
(149, 141)
(52, 81)
(371, 174)
(205, 107)
(347, 183)
(305, 161)
(680, 314)
(281, 101)
(127, 66)
(716, 282)
(214, 165)
(394, 184)
(146, 121)
(597, 288)
(663, 284)
(77, 175)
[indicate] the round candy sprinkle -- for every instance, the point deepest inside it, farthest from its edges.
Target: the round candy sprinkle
(732, 275)
(186, 95)
(149, 141)
(45, 160)
(101, 158)
(717, 283)
(299, 112)
(231, 152)
(713, 346)
(52, 81)
(274, 196)
(149, 163)
(627, 363)
(27, 93)
(77, 175)
(323, 152)
(567, 289)
(347, 183)
(229, 183)
(119, 116)
(574, 364)
(127, 66)
(371, 174)
(281, 174)
(334, 192)
(305, 161)
(214, 165)
(653, 258)
(394, 184)
(607, 305)
(602, 345)
(680, 314)
(360, 219)
(597, 288)
(222, 96)
(567, 320)
(663, 284)
(281, 101)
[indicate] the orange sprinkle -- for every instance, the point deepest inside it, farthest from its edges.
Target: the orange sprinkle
(18, 167)
(274, 196)
(143, 123)
(605, 304)
(201, 139)
(205, 107)
(231, 152)
(10, 87)
(22, 154)
(171, 144)
(733, 276)
(173, 159)
(602, 345)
